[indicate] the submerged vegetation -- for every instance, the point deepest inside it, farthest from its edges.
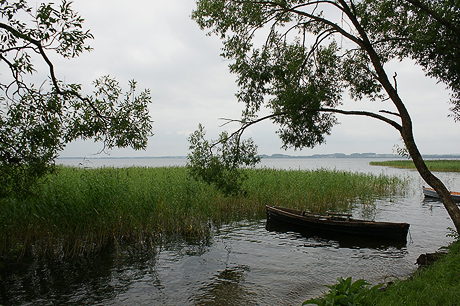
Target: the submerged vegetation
(433, 165)
(76, 211)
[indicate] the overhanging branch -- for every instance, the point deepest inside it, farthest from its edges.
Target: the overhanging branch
(53, 77)
(247, 124)
(366, 114)
(325, 21)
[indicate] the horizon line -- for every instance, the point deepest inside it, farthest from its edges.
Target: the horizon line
(275, 155)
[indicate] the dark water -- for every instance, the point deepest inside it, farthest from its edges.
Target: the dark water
(243, 263)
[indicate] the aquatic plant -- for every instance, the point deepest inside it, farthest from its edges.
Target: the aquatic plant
(320, 190)
(78, 211)
(433, 165)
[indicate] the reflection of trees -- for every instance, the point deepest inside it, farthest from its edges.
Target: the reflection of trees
(189, 246)
(89, 280)
(86, 280)
(225, 289)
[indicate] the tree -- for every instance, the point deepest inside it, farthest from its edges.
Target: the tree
(36, 122)
(298, 58)
(218, 163)
(428, 32)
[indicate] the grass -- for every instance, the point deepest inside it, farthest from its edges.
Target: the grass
(433, 165)
(79, 211)
(438, 284)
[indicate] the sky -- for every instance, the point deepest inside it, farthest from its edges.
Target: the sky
(157, 44)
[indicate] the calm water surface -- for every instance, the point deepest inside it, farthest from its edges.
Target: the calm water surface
(243, 263)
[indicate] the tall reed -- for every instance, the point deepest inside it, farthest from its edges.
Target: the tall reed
(320, 190)
(433, 165)
(77, 211)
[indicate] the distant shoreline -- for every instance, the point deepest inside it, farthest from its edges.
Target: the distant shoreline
(281, 156)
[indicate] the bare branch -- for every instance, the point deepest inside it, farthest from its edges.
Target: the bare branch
(247, 124)
(364, 113)
(389, 112)
(326, 21)
(396, 82)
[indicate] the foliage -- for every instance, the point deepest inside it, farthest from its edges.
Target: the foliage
(302, 82)
(453, 234)
(219, 163)
(346, 293)
(426, 31)
(304, 64)
(36, 122)
(298, 58)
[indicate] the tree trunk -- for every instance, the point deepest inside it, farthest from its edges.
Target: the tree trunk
(406, 126)
(430, 178)
(408, 137)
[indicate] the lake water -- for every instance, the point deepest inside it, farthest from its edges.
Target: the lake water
(243, 263)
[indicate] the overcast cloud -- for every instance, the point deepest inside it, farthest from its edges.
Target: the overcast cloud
(157, 44)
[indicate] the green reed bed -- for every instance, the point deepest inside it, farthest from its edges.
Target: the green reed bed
(319, 190)
(433, 165)
(76, 211)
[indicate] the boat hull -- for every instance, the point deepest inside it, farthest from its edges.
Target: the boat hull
(342, 226)
(431, 193)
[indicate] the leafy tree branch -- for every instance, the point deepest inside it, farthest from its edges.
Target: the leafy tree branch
(219, 162)
(303, 84)
(37, 122)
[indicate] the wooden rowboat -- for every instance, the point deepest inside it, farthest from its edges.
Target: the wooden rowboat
(341, 224)
(431, 193)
